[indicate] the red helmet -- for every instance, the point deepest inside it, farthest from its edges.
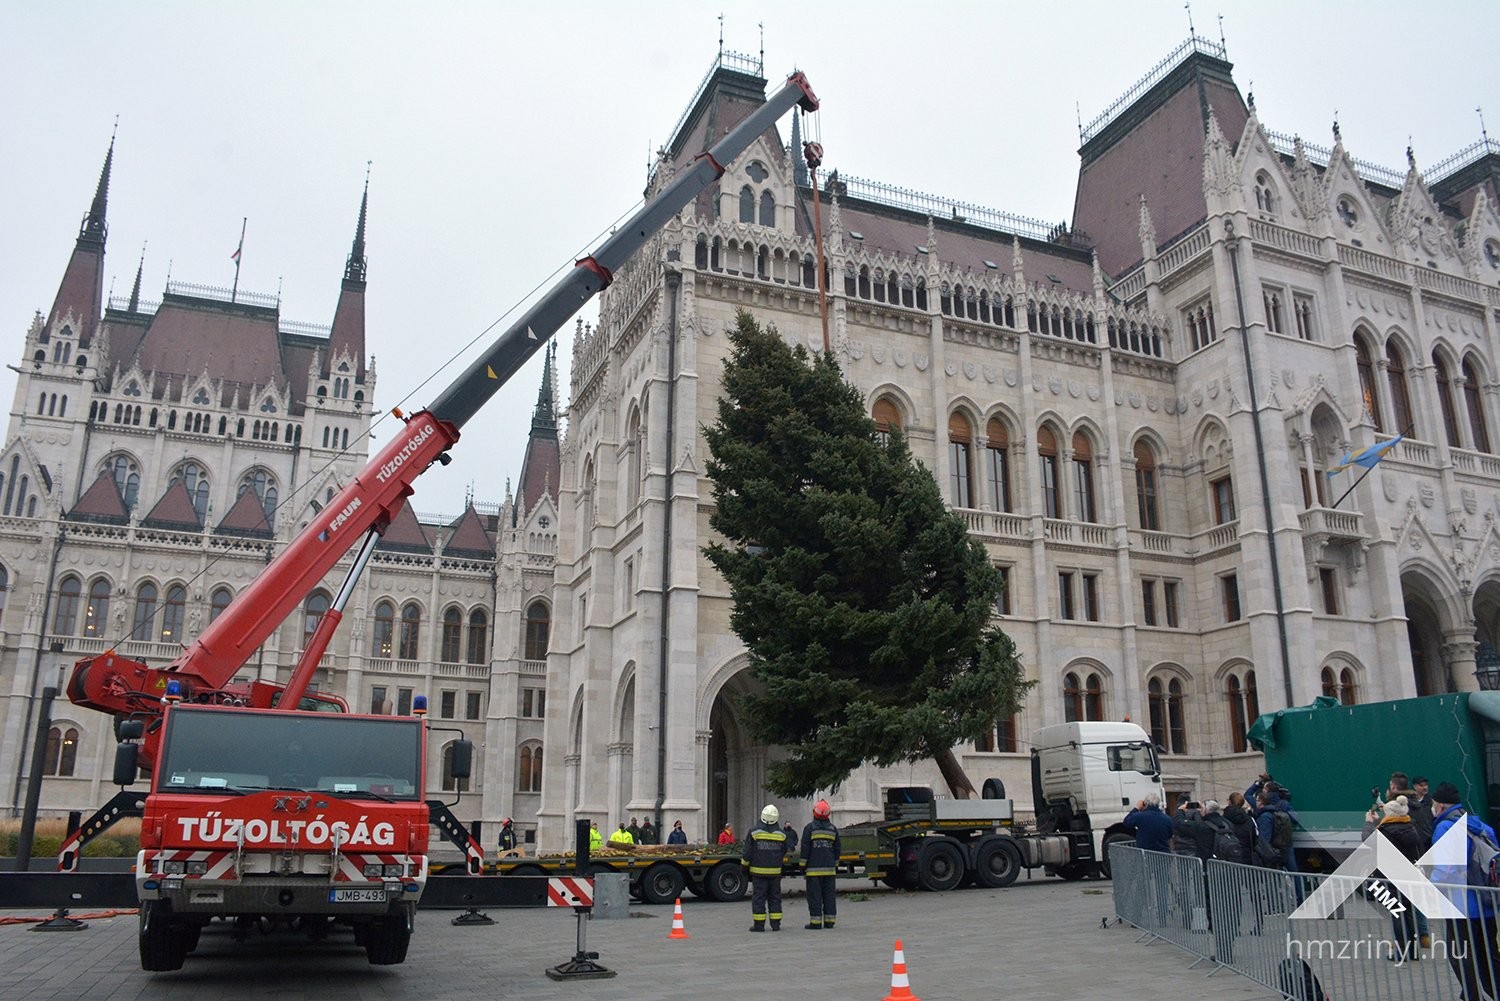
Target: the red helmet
(821, 810)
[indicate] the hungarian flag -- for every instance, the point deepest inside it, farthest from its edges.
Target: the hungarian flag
(235, 257)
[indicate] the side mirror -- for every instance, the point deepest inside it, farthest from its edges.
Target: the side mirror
(462, 758)
(129, 729)
(127, 763)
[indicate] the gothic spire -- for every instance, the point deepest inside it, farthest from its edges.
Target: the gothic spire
(354, 271)
(135, 290)
(94, 228)
(799, 165)
(544, 418)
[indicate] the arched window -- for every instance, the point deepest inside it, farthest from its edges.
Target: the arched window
(195, 478)
(4, 589)
(173, 611)
(145, 612)
(69, 593)
(263, 485)
(529, 769)
(450, 783)
(385, 629)
(1083, 700)
(1340, 686)
(960, 453)
(1244, 709)
(312, 613)
(1083, 477)
(767, 209)
(411, 627)
(1168, 727)
(1265, 196)
(96, 612)
(1145, 487)
(747, 204)
(479, 637)
(1474, 404)
(887, 417)
(538, 629)
(1046, 450)
(1395, 373)
(453, 627)
(1367, 391)
(219, 601)
(634, 444)
(62, 751)
(1445, 399)
(997, 464)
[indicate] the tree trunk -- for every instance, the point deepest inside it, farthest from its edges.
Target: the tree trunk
(953, 773)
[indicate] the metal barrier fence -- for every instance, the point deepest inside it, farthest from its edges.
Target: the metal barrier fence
(1366, 947)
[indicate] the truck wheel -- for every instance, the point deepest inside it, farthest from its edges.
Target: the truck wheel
(662, 883)
(726, 882)
(163, 942)
(387, 938)
(527, 870)
(1110, 839)
(997, 863)
(940, 865)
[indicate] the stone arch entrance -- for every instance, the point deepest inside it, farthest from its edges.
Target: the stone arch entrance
(1429, 623)
(1487, 634)
(736, 764)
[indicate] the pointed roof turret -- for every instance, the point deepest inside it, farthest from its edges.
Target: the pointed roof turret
(348, 329)
(81, 293)
(101, 503)
(246, 518)
(135, 290)
(542, 465)
(174, 511)
(467, 537)
(405, 533)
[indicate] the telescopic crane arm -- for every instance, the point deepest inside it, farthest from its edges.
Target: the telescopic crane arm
(123, 687)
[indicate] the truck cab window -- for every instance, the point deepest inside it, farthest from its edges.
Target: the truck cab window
(1132, 758)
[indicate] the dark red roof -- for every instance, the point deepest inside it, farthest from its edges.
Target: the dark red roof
(174, 510)
(81, 291)
(246, 517)
(467, 537)
(232, 342)
(539, 472)
(405, 532)
(1155, 148)
(728, 97)
(349, 327)
(101, 502)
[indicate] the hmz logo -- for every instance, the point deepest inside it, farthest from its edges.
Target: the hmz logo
(1376, 852)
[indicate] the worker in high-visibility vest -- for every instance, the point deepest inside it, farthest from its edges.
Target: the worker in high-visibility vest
(596, 837)
(765, 848)
(821, 848)
(622, 837)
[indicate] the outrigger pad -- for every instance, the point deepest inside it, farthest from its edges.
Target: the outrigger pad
(580, 967)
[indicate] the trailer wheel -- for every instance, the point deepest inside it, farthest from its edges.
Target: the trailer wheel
(662, 883)
(1113, 837)
(164, 945)
(527, 870)
(940, 865)
(726, 882)
(1073, 871)
(387, 938)
(997, 863)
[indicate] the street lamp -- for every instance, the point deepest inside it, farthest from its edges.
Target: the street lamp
(1487, 667)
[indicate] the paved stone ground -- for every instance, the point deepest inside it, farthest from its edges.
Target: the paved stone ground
(1039, 939)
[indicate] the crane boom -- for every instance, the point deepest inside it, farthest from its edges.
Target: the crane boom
(124, 687)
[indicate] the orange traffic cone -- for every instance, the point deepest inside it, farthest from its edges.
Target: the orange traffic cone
(900, 986)
(678, 931)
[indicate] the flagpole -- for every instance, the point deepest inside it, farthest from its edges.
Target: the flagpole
(1368, 470)
(234, 292)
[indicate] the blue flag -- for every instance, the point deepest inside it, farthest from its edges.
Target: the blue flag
(1368, 458)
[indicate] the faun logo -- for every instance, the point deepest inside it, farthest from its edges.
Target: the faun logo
(406, 452)
(342, 516)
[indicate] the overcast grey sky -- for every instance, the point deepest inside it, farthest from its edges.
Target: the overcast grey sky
(504, 139)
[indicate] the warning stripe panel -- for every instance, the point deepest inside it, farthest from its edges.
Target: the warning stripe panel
(570, 891)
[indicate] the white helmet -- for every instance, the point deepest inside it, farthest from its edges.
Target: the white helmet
(770, 814)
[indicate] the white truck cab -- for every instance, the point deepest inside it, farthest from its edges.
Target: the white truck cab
(1086, 776)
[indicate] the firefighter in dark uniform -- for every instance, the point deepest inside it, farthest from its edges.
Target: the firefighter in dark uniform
(765, 849)
(820, 859)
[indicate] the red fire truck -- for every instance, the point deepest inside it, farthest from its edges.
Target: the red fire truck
(272, 805)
